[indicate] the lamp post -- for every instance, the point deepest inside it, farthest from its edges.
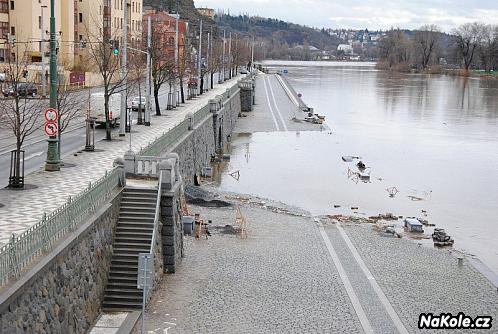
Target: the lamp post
(42, 50)
(122, 127)
(53, 160)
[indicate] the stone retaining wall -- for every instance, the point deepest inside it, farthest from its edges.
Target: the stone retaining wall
(63, 292)
(197, 146)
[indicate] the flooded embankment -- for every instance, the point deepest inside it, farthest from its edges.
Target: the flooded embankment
(432, 138)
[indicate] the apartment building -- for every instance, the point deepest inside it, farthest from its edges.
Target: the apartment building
(23, 26)
(99, 21)
(164, 27)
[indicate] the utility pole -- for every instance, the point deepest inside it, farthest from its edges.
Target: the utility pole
(149, 68)
(42, 51)
(252, 54)
(223, 57)
(177, 17)
(53, 160)
(124, 80)
(211, 56)
(207, 59)
(199, 60)
(230, 56)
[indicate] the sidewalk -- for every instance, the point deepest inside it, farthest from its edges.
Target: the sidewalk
(21, 209)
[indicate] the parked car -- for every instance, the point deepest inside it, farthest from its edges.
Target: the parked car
(136, 101)
(97, 108)
(243, 71)
(22, 89)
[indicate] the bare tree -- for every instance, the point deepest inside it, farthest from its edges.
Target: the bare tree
(18, 113)
(163, 61)
(488, 48)
(69, 107)
(138, 71)
(394, 50)
(468, 37)
(101, 54)
(425, 43)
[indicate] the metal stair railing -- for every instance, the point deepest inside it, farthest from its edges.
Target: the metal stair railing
(41, 237)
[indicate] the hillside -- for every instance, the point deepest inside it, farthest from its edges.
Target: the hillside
(185, 7)
(278, 32)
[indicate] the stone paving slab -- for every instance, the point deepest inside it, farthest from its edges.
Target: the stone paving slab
(23, 209)
(279, 280)
(419, 279)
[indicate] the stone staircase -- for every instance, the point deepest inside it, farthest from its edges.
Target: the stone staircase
(133, 236)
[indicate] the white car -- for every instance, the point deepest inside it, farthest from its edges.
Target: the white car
(136, 101)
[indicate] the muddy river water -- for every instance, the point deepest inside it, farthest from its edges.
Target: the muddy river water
(432, 137)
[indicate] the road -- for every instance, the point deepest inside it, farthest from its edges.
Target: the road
(73, 139)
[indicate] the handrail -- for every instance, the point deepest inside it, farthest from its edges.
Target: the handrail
(41, 237)
(156, 216)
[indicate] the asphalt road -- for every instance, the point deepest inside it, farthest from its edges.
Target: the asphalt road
(73, 139)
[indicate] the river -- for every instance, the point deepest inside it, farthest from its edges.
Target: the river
(433, 137)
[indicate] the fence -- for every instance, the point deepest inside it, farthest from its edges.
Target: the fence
(41, 237)
(166, 140)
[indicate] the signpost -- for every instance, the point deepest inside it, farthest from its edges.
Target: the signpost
(51, 129)
(51, 115)
(51, 126)
(145, 278)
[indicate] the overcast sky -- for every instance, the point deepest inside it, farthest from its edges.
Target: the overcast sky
(371, 14)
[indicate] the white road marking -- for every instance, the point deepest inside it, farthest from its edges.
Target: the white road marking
(365, 323)
(34, 155)
(276, 105)
(382, 297)
(269, 105)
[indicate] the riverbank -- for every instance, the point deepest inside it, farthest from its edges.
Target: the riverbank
(285, 278)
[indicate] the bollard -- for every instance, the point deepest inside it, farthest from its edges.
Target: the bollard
(460, 261)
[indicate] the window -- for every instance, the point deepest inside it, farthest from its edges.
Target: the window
(12, 6)
(80, 17)
(2, 55)
(121, 24)
(39, 22)
(4, 7)
(4, 29)
(13, 31)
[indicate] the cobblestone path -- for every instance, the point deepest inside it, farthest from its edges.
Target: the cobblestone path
(283, 279)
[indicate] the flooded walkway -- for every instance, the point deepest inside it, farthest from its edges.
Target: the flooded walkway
(284, 279)
(275, 110)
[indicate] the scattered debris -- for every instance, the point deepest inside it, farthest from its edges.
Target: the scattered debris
(425, 222)
(361, 165)
(413, 225)
(207, 171)
(241, 223)
(392, 191)
(354, 208)
(235, 175)
(386, 216)
(337, 206)
(415, 198)
(441, 239)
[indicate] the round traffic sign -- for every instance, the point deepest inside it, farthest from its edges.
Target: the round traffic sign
(51, 115)
(51, 129)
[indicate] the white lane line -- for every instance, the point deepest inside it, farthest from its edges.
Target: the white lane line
(365, 323)
(287, 90)
(269, 105)
(34, 155)
(382, 297)
(276, 105)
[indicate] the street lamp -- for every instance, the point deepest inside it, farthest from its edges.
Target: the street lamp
(53, 160)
